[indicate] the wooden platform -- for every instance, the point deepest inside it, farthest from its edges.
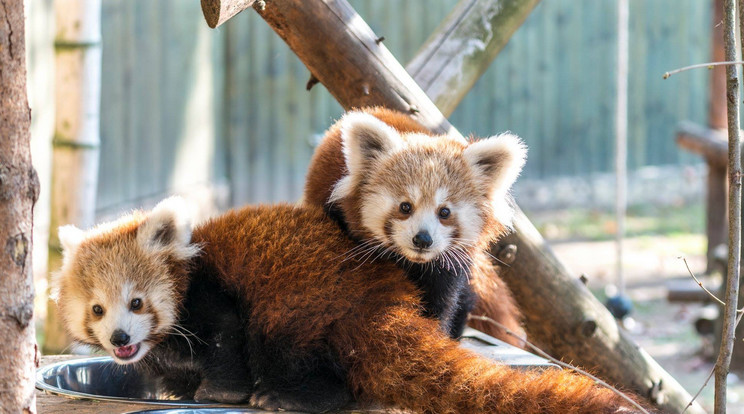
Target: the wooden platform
(50, 403)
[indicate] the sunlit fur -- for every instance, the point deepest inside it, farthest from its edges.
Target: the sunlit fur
(310, 317)
(115, 264)
(410, 163)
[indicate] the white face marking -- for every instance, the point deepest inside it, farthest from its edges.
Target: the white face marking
(470, 222)
(424, 218)
(440, 197)
(375, 210)
(118, 316)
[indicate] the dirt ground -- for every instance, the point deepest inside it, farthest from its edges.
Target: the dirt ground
(665, 330)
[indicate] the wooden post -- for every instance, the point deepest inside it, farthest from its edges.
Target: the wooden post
(460, 50)
(76, 134)
(343, 53)
(621, 140)
(19, 190)
(717, 185)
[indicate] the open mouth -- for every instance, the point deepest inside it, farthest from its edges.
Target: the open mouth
(126, 352)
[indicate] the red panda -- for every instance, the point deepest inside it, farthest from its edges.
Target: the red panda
(279, 318)
(333, 184)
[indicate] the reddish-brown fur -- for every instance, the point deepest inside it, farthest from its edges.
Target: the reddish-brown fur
(282, 265)
(328, 166)
(285, 262)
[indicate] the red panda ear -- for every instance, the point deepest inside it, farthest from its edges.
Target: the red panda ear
(168, 229)
(366, 139)
(70, 238)
(498, 159)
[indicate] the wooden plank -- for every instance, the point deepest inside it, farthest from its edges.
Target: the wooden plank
(686, 291)
(145, 103)
(237, 90)
(709, 143)
(113, 104)
(76, 141)
(716, 213)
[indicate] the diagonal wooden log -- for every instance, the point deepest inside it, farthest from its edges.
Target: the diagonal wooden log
(343, 53)
(460, 50)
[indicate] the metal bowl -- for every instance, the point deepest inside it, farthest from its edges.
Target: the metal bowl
(101, 378)
(197, 410)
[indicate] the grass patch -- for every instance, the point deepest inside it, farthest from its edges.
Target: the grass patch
(646, 220)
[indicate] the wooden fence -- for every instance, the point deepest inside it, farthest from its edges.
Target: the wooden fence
(184, 106)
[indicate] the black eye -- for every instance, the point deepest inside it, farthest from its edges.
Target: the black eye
(97, 310)
(444, 212)
(135, 304)
(405, 208)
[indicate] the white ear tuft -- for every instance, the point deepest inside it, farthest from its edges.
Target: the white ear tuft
(365, 139)
(341, 189)
(70, 238)
(498, 159)
(168, 228)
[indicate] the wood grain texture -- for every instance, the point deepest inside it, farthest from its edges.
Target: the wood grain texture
(329, 36)
(76, 134)
(19, 190)
(557, 307)
(460, 50)
(217, 12)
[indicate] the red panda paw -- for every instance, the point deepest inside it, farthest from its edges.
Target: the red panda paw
(299, 399)
(210, 391)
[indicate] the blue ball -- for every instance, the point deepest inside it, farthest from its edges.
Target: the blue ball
(619, 306)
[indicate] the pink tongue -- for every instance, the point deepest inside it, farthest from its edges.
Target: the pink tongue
(126, 351)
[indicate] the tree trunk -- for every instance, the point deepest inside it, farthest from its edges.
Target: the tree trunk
(734, 229)
(19, 189)
(76, 134)
(343, 53)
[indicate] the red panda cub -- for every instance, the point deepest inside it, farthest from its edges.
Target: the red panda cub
(276, 317)
(427, 230)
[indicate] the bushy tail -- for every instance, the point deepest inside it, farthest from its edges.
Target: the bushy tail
(403, 360)
(494, 301)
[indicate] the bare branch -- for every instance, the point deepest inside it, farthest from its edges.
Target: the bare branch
(723, 362)
(712, 371)
(545, 355)
(708, 65)
(700, 284)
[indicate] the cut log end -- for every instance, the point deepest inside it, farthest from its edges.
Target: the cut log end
(217, 12)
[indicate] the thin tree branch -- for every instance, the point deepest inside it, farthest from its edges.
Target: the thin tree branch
(543, 354)
(708, 65)
(712, 371)
(734, 236)
(700, 284)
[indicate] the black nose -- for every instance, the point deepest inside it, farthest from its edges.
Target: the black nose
(119, 338)
(422, 240)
